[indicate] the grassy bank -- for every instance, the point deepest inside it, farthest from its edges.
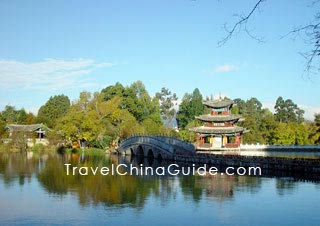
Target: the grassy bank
(86, 151)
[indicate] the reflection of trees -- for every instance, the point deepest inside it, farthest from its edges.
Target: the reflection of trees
(219, 187)
(109, 190)
(285, 186)
(18, 167)
(189, 188)
(124, 191)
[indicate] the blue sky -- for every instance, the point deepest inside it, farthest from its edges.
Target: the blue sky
(53, 47)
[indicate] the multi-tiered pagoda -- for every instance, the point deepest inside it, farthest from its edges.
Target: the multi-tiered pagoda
(219, 129)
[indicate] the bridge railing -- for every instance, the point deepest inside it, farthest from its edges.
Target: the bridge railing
(146, 140)
(164, 140)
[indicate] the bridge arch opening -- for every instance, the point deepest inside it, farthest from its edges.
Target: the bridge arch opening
(140, 151)
(131, 152)
(150, 154)
(159, 157)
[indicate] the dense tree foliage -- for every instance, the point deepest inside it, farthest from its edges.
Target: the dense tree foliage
(286, 126)
(314, 130)
(136, 100)
(2, 126)
(103, 118)
(287, 111)
(12, 116)
(55, 108)
(190, 107)
(117, 112)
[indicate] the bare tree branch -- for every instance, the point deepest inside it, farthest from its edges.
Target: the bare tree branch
(243, 19)
(309, 33)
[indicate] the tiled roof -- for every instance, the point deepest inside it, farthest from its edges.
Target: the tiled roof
(218, 130)
(218, 103)
(218, 118)
(26, 128)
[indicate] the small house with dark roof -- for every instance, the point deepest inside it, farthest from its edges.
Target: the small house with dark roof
(219, 130)
(35, 133)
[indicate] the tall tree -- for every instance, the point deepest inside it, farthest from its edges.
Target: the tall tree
(167, 99)
(190, 107)
(136, 100)
(96, 122)
(288, 111)
(114, 90)
(55, 108)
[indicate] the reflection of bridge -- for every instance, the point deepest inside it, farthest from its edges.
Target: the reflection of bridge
(160, 147)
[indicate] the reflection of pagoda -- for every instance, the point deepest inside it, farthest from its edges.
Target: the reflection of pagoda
(219, 130)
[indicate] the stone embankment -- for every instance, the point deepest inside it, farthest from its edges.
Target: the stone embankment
(296, 148)
(299, 165)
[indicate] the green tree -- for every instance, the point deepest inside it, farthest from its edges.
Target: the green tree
(288, 111)
(97, 122)
(114, 90)
(283, 134)
(9, 114)
(2, 126)
(314, 130)
(239, 106)
(136, 100)
(167, 99)
(252, 112)
(290, 133)
(31, 119)
(190, 107)
(55, 108)
(267, 126)
(81, 123)
(22, 116)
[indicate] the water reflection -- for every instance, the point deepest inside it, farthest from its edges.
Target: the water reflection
(29, 182)
(123, 191)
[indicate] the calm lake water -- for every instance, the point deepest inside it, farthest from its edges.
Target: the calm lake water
(35, 190)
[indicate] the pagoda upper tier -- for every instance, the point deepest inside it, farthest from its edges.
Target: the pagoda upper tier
(220, 120)
(219, 104)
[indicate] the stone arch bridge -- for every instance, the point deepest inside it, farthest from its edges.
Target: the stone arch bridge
(159, 147)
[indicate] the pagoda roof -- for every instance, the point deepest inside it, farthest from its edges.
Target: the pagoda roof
(220, 103)
(218, 118)
(218, 130)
